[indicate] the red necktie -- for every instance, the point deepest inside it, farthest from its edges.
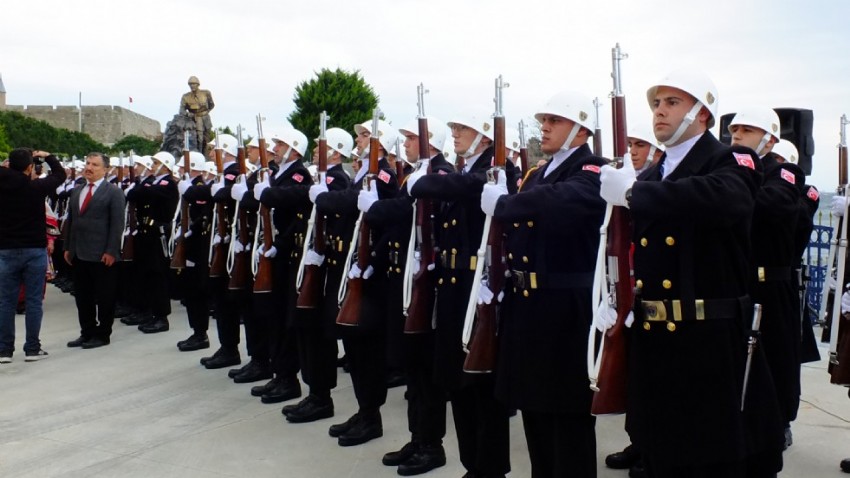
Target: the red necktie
(87, 199)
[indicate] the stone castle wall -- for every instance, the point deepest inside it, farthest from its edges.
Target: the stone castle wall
(106, 124)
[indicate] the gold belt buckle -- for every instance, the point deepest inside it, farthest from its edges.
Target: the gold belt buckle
(761, 274)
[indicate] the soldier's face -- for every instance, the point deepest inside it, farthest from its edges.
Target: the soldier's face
(411, 146)
(746, 135)
(669, 109)
(554, 132)
(253, 154)
(639, 150)
(362, 140)
(463, 137)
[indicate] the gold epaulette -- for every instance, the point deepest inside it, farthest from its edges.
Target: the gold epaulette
(524, 178)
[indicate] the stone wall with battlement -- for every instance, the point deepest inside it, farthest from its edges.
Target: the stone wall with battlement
(106, 124)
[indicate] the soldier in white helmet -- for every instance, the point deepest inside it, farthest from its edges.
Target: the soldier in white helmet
(691, 219)
(644, 149)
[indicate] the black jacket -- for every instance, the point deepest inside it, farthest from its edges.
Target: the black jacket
(22, 223)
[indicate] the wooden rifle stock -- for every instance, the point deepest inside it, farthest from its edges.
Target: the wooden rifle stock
(839, 343)
(349, 311)
(311, 283)
(263, 279)
(597, 133)
(523, 149)
(240, 275)
(218, 265)
(129, 240)
(612, 377)
(178, 257)
(423, 294)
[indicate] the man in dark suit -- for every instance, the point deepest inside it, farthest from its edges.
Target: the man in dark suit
(92, 244)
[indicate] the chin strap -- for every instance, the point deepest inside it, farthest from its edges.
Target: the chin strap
(571, 137)
(764, 140)
(686, 121)
(471, 151)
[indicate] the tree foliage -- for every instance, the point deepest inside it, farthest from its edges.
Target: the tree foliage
(32, 133)
(346, 97)
(137, 144)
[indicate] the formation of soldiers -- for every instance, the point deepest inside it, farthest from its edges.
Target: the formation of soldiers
(715, 230)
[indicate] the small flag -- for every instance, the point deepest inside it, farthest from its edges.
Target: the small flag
(131, 99)
(788, 176)
(744, 160)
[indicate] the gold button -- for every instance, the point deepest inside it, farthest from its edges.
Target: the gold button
(337, 215)
(510, 256)
(646, 326)
(667, 284)
(397, 245)
(643, 241)
(390, 243)
(445, 225)
(516, 224)
(440, 281)
(454, 251)
(639, 284)
(671, 326)
(670, 241)
(454, 222)
(530, 223)
(525, 259)
(398, 270)
(454, 280)
(525, 293)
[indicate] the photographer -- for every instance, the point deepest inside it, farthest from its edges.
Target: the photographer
(23, 241)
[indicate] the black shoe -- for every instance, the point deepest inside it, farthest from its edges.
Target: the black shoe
(396, 379)
(194, 342)
(312, 408)
(395, 458)
(340, 428)
(236, 371)
(159, 324)
(137, 318)
(261, 390)
(287, 409)
(121, 312)
(367, 428)
(215, 354)
(226, 358)
(78, 342)
(623, 460)
(845, 465)
(254, 373)
(284, 390)
(95, 342)
(423, 461)
(637, 470)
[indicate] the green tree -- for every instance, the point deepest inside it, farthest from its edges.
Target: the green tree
(346, 97)
(137, 144)
(27, 132)
(5, 147)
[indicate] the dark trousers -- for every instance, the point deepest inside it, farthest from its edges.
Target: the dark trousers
(153, 267)
(95, 289)
(726, 470)
(367, 359)
(317, 353)
(283, 344)
(233, 305)
(481, 424)
(426, 401)
(560, 444)
(196, 293)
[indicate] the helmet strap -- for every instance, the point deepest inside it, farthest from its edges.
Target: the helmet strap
(571, 137)
(686, 121)
(471, 151)
(764, 140)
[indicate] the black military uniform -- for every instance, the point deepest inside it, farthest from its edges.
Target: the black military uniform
(196, 275)
(156, 201)
(365, 344)
(426, 401)
(552, 228)
(809, 203)
(481, 422)
(692, 316)
(315, 328)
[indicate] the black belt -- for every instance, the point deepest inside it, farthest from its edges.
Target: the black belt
(709, 309)
(553, 280)
(769, 274)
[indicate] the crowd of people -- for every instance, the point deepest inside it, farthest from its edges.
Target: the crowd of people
(715, 230)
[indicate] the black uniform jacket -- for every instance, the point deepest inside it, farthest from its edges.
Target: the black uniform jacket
(200, 221)
(552, 228)
(288, 196)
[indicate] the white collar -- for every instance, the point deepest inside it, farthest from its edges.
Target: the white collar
(470, 161)
(558, 158)
(675, 155)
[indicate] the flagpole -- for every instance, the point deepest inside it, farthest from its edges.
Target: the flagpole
(80, 116)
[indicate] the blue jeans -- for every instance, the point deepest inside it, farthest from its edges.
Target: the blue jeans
(26, 266)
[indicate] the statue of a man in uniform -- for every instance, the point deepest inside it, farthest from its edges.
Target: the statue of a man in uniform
(197, 104)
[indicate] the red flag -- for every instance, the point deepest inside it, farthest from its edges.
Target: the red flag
(131, 99)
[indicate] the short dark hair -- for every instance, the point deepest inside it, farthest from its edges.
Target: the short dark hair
(20, 159)
(103, 159)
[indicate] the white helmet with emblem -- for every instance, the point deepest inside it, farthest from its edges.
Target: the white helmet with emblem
(642, 132)
(786, 150)
(764, 119)
(255, 143)
(197, 161)
(571, 105)
(227, 143)
(210, 167)
(386, 133)
(166, 159)
(294, 139)
(339, 140)
(698, 85)
(436, 131)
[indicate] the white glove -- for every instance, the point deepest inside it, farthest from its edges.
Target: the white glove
(417, 256)
(485, 295)
(129, 188)
(630, 319)
(184, 186)
(238, 247)
(217, 186)
(492, 192)
(60, 189)
(260, 187)
(416, 176)
(830, 281)
(845, 303)
(605, 317)
(178, 232)
(239, 188)
(367, 196)
(316, 189)
(839, 204)
(217, 239)
(615, 183)
(356, 273)
(188, 234)
(270, 253)
(313, 258)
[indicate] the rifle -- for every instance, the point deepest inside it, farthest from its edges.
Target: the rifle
(480, 334)
(263, 272)
(128, 245)
(178, 257)
(607, 367)
(120, 173)
(308, 283)
(833, 244)
(349, 310)
(839, 338)
(523, 149)
(597, 131)
(399, 162)
(419, 293)
(218, 252)
(238, 262)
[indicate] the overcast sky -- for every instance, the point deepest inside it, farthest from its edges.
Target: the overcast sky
(778, 53)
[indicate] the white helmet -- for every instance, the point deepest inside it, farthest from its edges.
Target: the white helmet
(227, 143)
(340, 141)
(294, 139)
(166, 159)
(786, 150)
(571, 105)
(114, 162)
(197, 161)
(483, 124)
(763, 118)
(210, 167)
(79, 165)
(250, 167)
(145, 161)
(386, 133)
(255, 142)
(641, 132)
(512, 139)
(436, 132)
(694, 83)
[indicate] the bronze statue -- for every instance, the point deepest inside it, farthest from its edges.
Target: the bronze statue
(197, 104)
